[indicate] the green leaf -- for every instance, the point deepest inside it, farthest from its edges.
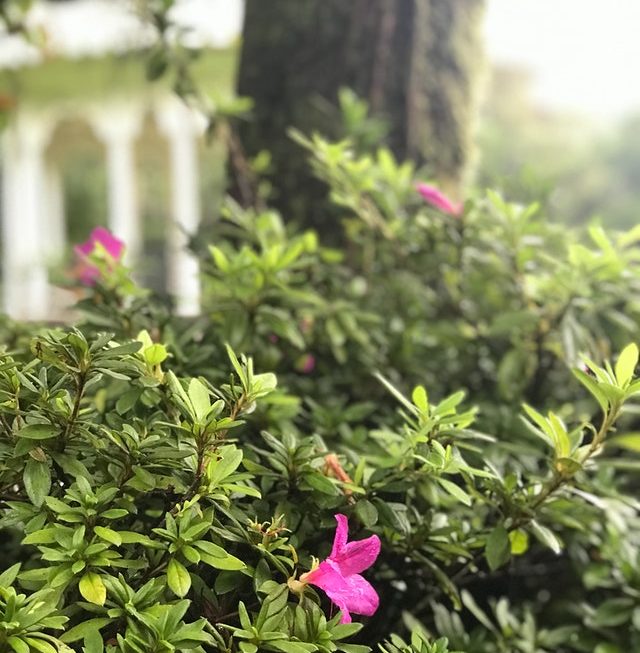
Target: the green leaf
(592, 386)
(122, 350)
(108, 535)
(37, 481)
(273, 609)
(230, 459)
(626, 364)
(367, 513)
(81, 630)
(8, 576)
(612, 612)
(607, 648)
(41, 645)
(18, 644)
(221, 261)
(287, 646)
(237, 367)
(321, 483)
(263, 384)
(519, 540)
(545, 432)
(247, 647)
(178, 578)
(455, 491)
(78, 566)
(44, 536)
(155, 354)
(114, 513)
(39, 431)
(93, 642)
(445, 581)
(131, 537)
(92, 588)
(471, 605)
(545, 536)
(397, 394)
(70, 465)
(200, 399)
(420, 398)
(568, 466)
(245, 621)
(211, 549)
(562, 442)
(227, 563)
(180, 395)
(448, 404)
(498, 548)
(190, 554)
(629, 441)
(128, 400)
(56, 505)
(342, 631)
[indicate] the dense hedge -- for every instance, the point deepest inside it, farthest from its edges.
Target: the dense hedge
(439, 378)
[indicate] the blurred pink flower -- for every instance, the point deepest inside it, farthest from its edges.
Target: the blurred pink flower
(438, 199)
(113, 247)
(306, 364)
(339, 575)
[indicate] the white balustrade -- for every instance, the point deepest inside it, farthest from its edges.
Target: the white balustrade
(118, 126)
(25, 218)
(182, 127)
(33, 217)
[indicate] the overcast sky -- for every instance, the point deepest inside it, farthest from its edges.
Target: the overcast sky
(584, 54)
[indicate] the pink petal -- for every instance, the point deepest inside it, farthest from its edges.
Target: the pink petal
(346, 616)
(89, 275)
(85, 248)
(357, 556)
(340, 538)
(438, 199)
(308, 364)
(362, 598)
(350, 593)
(113, 245)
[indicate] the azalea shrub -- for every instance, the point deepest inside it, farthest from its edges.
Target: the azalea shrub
(415, 433)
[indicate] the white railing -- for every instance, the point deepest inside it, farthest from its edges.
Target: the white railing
(33, 212)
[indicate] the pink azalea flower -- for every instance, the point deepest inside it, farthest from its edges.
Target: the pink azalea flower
(438, 199)
(306, 364)
(339, 575)
(113, 247)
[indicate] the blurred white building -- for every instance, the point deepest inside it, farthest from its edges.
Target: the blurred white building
(33, 209)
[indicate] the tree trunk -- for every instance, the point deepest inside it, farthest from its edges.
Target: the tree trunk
(415, 61)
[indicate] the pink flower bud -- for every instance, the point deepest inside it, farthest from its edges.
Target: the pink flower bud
(438, 199)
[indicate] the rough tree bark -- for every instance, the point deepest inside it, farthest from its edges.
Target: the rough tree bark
(416, 62)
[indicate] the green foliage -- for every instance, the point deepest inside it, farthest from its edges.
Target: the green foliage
(461, 387)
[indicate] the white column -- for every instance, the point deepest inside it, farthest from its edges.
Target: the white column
(118, 126)
(10, 272)
(24, 212)
(182, 127)
(56, 241)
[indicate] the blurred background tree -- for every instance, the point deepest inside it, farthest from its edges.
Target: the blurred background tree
(416, 62)
(575, 167)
